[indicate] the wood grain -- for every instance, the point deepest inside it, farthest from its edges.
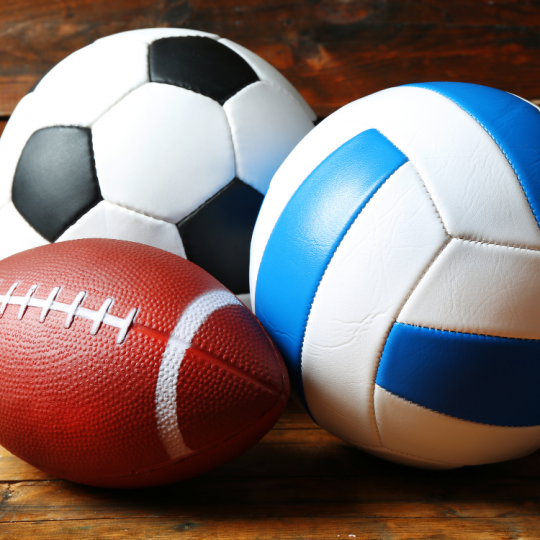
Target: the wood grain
(282, 529)
(298, 482)
(334, 51)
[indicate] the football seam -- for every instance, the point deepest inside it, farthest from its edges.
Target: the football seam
(121, 98)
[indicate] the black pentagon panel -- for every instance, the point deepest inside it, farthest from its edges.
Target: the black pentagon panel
(55, 182)
(217, 236)
(200, 64)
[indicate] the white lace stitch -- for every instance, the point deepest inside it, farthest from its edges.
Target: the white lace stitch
(72, 309)
(6, 298)
(99, 317)
(25, 301)
(49, 303)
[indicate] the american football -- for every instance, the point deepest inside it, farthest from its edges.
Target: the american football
(123, 365)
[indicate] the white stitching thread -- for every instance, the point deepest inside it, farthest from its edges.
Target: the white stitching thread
(72, 309)
(7, 297)
(26, 301)
(48, 303)
(99, 317)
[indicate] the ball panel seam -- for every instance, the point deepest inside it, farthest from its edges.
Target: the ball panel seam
(434, 87)
(397, 452)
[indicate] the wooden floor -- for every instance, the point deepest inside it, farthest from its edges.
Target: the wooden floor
(298, 482)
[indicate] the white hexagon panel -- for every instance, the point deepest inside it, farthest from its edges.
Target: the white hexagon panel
(167, 137)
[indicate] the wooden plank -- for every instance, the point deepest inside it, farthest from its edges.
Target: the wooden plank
(63, 501)
(315, 453)
(333, 50)
(280, 529)
(249, 487)
(13, 469)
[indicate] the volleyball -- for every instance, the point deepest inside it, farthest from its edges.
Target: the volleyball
(396, 263)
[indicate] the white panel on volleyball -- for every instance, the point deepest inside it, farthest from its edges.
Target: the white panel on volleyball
(479, 289)
(108, 220)
(471, 182)
(418, 436)
(163, 151)
(16, 233)
(264, 117)
(88, 82)
(267, 72)
(151, 34)
(377, 264)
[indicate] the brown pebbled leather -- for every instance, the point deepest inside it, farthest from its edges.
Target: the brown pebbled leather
(83, 407)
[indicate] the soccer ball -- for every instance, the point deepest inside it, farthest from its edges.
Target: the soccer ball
(167, 137)
(396, 263)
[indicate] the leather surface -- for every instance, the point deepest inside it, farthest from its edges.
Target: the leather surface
(76, 92)
(414, 432)
(455, 248)
(480, 289)
(470, 180)
(55, 182)
(198, 462)
(484, 379)
(513, 123)
(218, 73)
(85, 407)
(142, 171)
(161, 150)
(20, 232)
(111, 221)
(263, 116)
(267, 72)
(217, 235)
(369, 277)
(309, 231)
(27, 117)
(86, 83)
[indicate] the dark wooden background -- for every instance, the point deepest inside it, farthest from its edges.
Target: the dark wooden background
(299, 482)
(333, 51)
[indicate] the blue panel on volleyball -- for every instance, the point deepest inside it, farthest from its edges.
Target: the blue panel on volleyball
(512, 123)
(308, 232)
(490, 380)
